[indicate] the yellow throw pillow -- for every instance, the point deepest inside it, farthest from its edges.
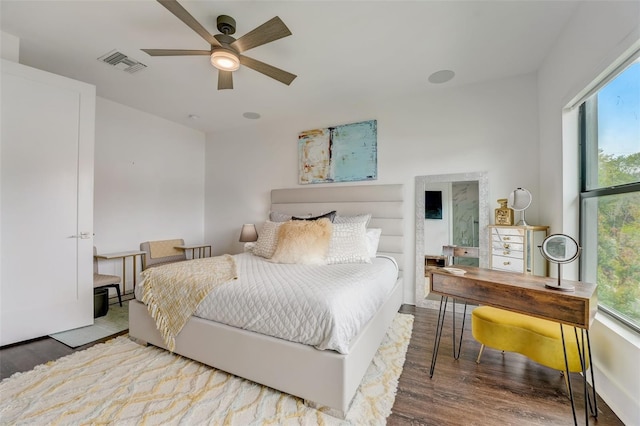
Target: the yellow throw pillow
(303, 241)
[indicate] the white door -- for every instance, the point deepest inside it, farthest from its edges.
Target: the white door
(46, 203)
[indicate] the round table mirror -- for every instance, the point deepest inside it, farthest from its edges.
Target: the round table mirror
(560, 248)
(519, 200)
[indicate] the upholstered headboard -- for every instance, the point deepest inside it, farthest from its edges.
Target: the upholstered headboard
(383, 202)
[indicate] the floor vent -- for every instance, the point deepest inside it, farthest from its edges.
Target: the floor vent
(122, 62)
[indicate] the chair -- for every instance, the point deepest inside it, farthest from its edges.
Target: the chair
(162, 252)
(535, 338)
(103, 280)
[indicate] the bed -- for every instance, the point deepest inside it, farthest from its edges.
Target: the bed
(322, 377)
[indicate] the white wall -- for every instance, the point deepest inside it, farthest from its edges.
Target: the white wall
(9, 47)
(596, 36)
(149, 181)
(487, 127)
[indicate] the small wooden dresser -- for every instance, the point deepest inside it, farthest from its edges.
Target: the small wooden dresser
(515, 249)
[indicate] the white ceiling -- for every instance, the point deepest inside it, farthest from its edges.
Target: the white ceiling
(339, 50)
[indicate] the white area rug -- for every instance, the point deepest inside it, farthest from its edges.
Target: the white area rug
(121, 382)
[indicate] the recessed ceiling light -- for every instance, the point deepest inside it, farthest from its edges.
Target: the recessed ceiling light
(441, 76)
(251, 115)
(194, 117)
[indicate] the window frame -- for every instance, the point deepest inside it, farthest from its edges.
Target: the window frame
(586, 194)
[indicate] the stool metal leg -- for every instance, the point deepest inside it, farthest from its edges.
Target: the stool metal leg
(566, 381)
(480, 354)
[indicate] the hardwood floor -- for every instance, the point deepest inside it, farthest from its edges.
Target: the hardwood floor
(502, 390)
(24, 356)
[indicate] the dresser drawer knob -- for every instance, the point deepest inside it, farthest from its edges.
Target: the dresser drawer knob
(506, 252)
(506, 263)
(506, 246)
(506, 238)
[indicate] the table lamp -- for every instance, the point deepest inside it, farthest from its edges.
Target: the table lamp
(248, 234)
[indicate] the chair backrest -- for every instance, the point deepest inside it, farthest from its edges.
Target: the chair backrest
(162, 252)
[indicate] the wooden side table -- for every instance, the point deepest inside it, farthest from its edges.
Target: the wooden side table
(123, 255)
(201, 249)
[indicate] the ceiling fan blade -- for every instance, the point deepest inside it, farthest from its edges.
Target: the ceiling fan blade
(271, 30)
(174, 7)
(268, 70)
(175, 52)
(225, 80)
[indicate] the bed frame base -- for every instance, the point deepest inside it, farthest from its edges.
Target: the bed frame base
(327, 378)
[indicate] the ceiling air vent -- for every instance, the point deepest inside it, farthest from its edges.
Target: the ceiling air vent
(122, 61)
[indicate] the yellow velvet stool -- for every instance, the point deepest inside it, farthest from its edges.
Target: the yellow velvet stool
(538, 339)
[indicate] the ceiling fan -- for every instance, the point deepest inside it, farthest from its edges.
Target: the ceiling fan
(226, 51)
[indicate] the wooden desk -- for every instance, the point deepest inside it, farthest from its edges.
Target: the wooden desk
(521, 293)
(202, 249)
(525, 294)
(123, 255)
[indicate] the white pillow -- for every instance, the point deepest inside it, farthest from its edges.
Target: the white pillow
(348, 244)
(365, 218)
(373, 239)
(279, 217)
(267, 239)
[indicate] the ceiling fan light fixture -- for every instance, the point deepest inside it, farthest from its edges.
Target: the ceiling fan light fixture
(225, 60)
(226, 52)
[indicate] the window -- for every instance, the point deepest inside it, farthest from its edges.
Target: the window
(610, 193)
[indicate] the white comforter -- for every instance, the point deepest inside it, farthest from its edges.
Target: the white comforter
(319, 305)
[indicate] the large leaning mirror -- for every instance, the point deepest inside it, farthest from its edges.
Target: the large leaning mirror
(452, 219)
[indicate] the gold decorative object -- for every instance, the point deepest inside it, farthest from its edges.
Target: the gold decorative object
(504, 215)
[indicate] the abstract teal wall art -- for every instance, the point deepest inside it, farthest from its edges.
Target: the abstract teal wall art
(344, 153)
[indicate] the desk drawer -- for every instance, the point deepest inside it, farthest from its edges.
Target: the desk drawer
(505, 263)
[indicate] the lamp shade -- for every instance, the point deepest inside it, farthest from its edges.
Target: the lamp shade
(225, 60)
(248, 233)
